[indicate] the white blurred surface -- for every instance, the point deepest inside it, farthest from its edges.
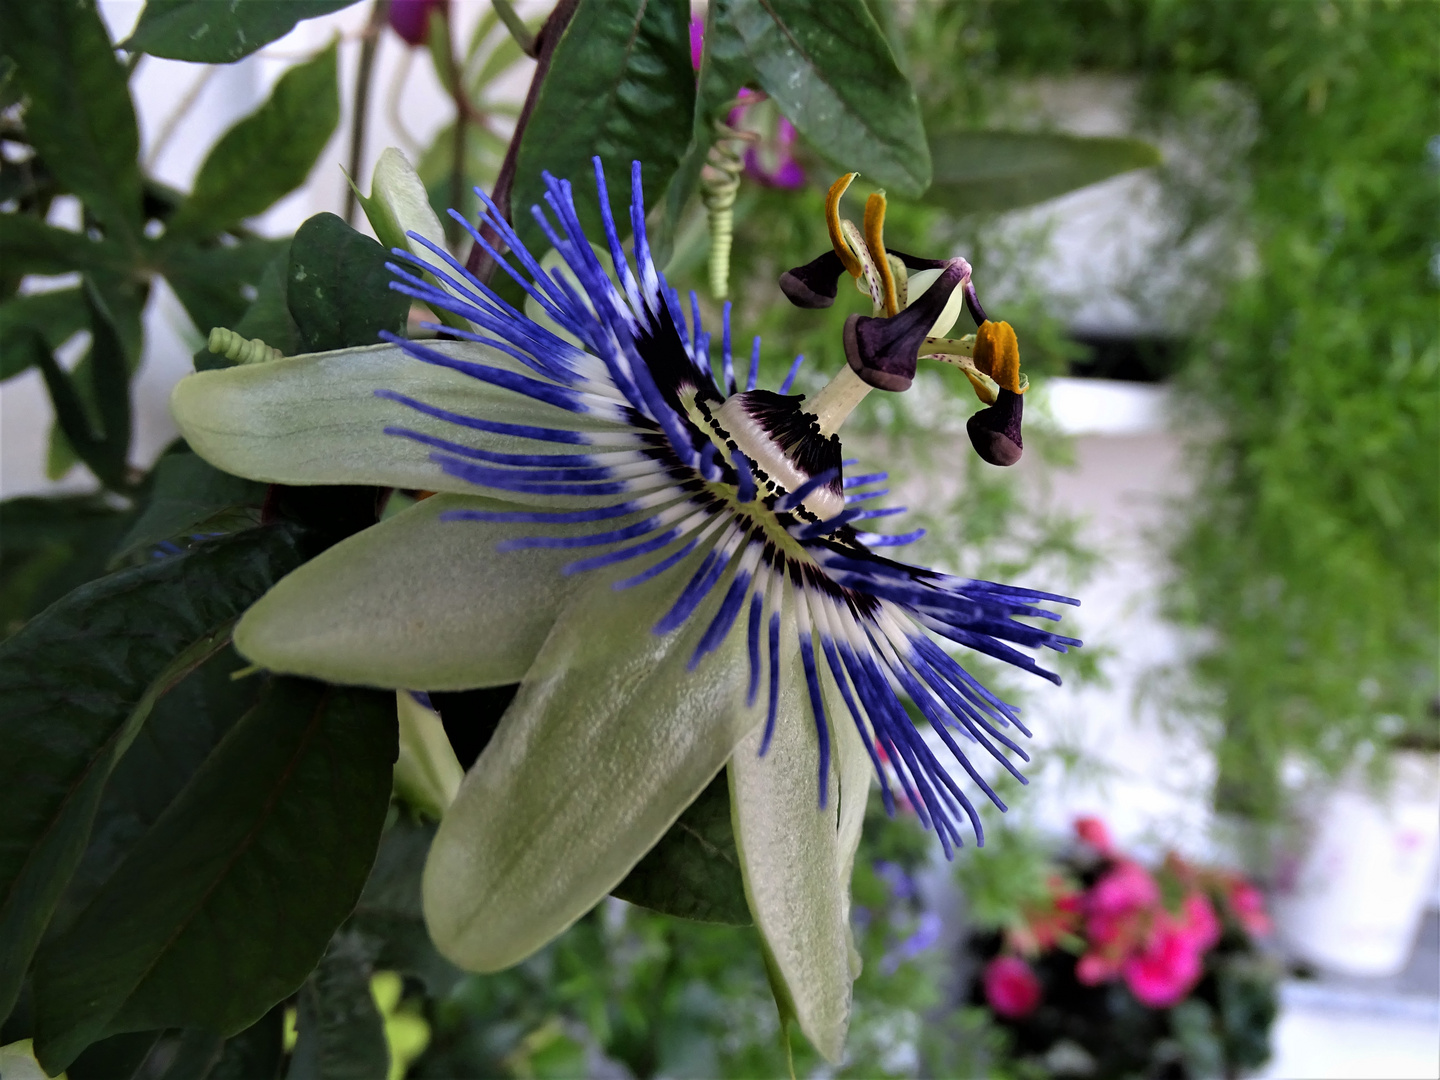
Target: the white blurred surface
(1322, 1037)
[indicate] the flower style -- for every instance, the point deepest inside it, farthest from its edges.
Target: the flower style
(669, 560)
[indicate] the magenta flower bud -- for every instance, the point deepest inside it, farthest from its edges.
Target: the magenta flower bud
(411, 18)
(1011, 987)
(697, 42)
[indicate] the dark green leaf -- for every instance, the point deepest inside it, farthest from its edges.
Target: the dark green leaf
(830, 70)
(341, 1032)
(269, 153)
(229, 899)
(152, 1055)
(54, 315)
(214, 283)
(32, 247)
(120, 1056)
(256, 1053)
(993, 171)
(694, 870)
(95, 422)
(219, 31)
(267, 318)
(339, 290)
(49, 546)
(187, 493)
(79, 117)
(620, 86)
(182, 730)
(389, 913)
(110, 385)
(76, 682)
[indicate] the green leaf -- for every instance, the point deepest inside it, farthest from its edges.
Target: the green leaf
(267, 318)
(76, 682)
(49, 546)
(213, 282)
(830, 70)
(186, 493)
(339, 289)
(620, 86)
(183, 728)
(994, 171)
(389, 913)
(96, 424)
(219, 31)
(79, 116)
(341, 1032)
(694, 870)
(256, 1053)
(269, 153)
(55, 316)
(32, 247)
(227, 902)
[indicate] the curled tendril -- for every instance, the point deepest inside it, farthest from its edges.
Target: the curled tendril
(719, 185)
(232, 346)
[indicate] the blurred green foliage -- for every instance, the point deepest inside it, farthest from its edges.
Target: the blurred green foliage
(1310, 555)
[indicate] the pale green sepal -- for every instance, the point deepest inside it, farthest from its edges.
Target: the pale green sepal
(413, 602)
(790, 858)
(396, 206)
(17, 1062)
(315, 419)
(609, 739)
(427, 773)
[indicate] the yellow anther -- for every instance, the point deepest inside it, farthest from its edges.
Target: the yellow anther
(997, 354)
(832, 220)
(875, 241)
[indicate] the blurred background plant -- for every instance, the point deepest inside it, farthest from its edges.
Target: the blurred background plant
(1286, 292)
(1093, 965)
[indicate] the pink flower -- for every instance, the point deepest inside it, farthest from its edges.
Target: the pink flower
(1011, 988)
(1168, 968)
(1092, 831)
(1095, 967)
(411, 18)
(1198, 921)
(1125, 888)
(1248, 907)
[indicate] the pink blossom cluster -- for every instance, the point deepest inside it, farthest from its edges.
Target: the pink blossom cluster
(1123, 927)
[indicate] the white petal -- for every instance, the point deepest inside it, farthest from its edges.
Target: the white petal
(414, 602)
(315, 419)
(609, 739)
(791, 858)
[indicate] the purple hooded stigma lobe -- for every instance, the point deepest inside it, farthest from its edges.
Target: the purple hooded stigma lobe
(815, 284)
(882, 351)
(995, 432)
